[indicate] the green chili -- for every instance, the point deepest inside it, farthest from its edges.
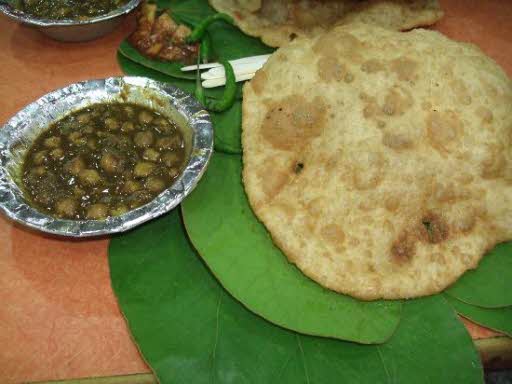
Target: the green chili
(205, 48)
(229, 95)
(199, 92)
(200, 29)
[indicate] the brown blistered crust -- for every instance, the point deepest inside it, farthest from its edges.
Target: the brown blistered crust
(279, 22)
(378, 160)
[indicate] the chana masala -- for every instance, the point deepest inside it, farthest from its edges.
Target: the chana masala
(102, 161)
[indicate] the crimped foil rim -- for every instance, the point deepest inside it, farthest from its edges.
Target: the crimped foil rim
(35, 117)
(32, 20)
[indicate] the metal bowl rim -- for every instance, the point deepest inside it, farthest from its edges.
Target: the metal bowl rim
(138, 214)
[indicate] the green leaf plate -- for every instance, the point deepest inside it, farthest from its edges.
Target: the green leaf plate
(228, 42)
(241, 254)
(490, 285)
(191, 331)
(499, 319)
(226, 124)
(167, 68)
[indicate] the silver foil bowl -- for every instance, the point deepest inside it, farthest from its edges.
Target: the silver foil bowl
(20, 131)
(72, 30)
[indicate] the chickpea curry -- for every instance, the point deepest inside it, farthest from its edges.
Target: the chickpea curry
(69, 9)
(102, 161)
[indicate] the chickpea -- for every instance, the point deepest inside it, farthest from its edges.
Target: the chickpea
(66, 207)
(97, 211)
(40, 157)
(89, 176)
(143, 139)
(78, 192)
(110, 163)
(125, 140)
(77, 139)
(151, 154)
(52, 142)
(38, 171)
(169, 142)
(75, 166)
(127, 126)
(111, 124)
(170, 158)
(145, 117)
(74, 136)
(143, 169)
(131, 186)
(81, 142)
(155, 184)
(163, 125)
(164, 143)
(128, 110)
(88, 130)
(119, 210)
(57, 154)
(83, 118)
(43, 198)
(138, 198)
(173, 172)
(91, 143)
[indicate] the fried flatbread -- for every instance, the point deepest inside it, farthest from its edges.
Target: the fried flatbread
(380, 161)
(279, 22)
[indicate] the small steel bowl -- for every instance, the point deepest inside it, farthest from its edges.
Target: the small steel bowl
(70, 30)
(18, 134)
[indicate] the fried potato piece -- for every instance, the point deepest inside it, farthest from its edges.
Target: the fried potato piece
(380, 161)
(159, 36)
(279, 22)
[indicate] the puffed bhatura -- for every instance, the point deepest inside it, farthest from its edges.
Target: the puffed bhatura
(379, 161)
(279, 22)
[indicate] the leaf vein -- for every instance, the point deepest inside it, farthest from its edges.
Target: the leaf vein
(303, 358)
(389, 379)
(214, 351)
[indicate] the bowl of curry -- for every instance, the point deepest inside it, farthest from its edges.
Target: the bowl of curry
(70, 20)
(102, 156)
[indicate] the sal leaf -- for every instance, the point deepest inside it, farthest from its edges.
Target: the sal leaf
(190, 330)
(168, 68)
(131, 68)
(488, 286)
(241, 254)
(227, 129)
(499, 319)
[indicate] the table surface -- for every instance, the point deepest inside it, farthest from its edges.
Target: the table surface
(59, 317)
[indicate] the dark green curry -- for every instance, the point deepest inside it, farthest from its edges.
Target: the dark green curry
(69, 9)
(102, 161)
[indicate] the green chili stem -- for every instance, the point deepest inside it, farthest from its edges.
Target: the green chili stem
(200, 29)
(199, 92)
(205, 48)
(229, 95)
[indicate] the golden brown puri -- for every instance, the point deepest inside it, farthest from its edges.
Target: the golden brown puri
(380, 161)
(279, 22)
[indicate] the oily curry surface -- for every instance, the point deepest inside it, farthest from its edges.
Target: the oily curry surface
(102, 161)
(70, 9)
